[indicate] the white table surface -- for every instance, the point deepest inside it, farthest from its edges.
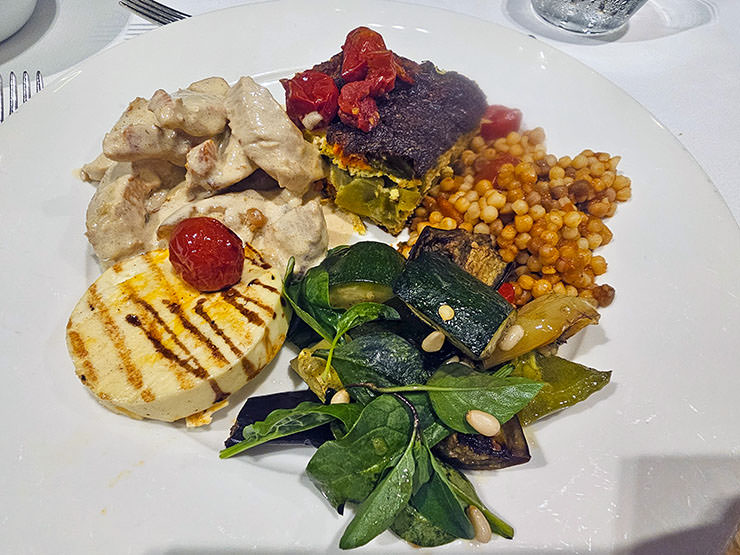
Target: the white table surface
(678, 58)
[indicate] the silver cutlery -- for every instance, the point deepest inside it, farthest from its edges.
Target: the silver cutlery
(13, 91)
(154, 11)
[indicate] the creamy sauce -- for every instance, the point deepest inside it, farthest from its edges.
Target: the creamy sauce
(169, 158)
(269, 138)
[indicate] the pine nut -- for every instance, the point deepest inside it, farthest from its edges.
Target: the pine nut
(446, 312)
(480, 524)
(453, 358)
(433, 342)
(511, 337)
(341, 397)
(482, 422)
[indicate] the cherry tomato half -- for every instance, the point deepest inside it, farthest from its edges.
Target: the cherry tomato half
(358, 43)
(498, 121)
(311, 91)
(356, 107)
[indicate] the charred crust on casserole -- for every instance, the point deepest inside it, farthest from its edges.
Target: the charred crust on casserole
(418, 123)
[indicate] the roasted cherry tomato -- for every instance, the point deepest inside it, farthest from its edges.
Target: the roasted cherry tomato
(498, 121)
(358, 43)
(506, 290)
(488, 169)
(401, 72)
(206, 254)
(381, 72)
(307, 92)
(356, 107)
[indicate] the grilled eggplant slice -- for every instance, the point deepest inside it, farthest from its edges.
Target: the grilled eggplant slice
(473, 252)
(477, 452)
(257, 408)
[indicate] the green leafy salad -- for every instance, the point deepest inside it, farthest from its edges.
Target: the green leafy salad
(417, 369)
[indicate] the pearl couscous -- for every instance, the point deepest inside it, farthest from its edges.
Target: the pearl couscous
(546, 214)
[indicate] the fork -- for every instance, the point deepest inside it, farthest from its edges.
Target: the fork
(154, 11)
(13, 91)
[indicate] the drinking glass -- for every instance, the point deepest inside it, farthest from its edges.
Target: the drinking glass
(589, 17)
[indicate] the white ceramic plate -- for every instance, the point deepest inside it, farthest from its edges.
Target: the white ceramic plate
(50, 42)
(651, 462)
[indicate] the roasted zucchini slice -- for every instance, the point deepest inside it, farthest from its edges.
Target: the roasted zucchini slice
(362, 272)
(471, 314)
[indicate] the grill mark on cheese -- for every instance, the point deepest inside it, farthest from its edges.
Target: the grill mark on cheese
(239, 301)
(182, 378)
(80, 352)
(133, 319)
(249, 369)
(159, 320)
(133, 374)
(200, 311)
(268, 346)
(220, 394)
(168, 314)
(270, 288)
(270, 311)
(190, 365)
(176, 309)
(254, 256)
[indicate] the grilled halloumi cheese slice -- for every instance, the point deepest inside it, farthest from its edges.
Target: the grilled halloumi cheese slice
(148, 345)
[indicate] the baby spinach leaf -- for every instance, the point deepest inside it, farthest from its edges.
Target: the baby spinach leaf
(386, 359)
(432, 429)
(424, 470)
(439, 504)
(347, 469)
(284, 422)
(356, 315)
(416, 529)
(465, 492)
(385, 354)
(301, 334)
(456, 388)
(314, 298)
(292, 293)
(315, 288)
(348, 413)
(364, 312)
(379, 510)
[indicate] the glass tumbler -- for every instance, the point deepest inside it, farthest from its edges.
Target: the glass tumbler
(588, 17)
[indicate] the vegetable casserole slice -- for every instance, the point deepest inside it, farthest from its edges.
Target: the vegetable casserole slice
(383, 174)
